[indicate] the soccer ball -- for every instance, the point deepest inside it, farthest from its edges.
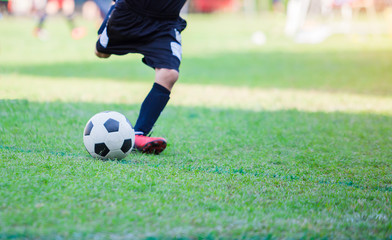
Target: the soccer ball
(109, 135)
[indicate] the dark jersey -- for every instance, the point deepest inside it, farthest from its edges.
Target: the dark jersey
(162, 9)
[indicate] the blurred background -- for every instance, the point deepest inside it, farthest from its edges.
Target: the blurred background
(306, 21)
(251, 6)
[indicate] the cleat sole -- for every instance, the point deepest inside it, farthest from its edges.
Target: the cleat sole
(153, 147)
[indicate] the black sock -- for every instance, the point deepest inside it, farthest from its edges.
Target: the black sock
(151, 108)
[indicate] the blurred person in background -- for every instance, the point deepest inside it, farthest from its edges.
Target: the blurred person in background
(51, 7)
(3, 7)
(278, 6)
(96, 10)
(104, 6)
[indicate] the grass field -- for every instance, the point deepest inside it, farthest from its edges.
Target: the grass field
(280, 141)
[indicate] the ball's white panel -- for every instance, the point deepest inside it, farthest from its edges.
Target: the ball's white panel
(88, 143)
(100, 118)
(99, 133)
(116, 115)
(116, 154)
(114, 141)
(126, 131)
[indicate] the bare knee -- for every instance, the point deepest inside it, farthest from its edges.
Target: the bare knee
(166, 77)
(101, 55)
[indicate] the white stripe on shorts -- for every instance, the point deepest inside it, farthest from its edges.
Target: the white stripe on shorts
(104, 39)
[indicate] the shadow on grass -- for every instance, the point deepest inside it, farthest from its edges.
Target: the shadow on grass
(354, 72)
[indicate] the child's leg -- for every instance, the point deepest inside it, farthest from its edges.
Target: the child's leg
(41, 21)
(156, 100)
(150, 110)
(101, 55)
(39, 29)
(166, 77)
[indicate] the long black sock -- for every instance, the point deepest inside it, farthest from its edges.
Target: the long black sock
(151, 108)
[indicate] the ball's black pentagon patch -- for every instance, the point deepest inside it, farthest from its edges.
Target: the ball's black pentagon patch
(101, 149)
(112, 125)
(126, 145)
(88, 129)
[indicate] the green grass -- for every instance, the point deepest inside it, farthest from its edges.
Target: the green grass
(281, 141)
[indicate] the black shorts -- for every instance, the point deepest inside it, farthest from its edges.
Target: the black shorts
(126, 31)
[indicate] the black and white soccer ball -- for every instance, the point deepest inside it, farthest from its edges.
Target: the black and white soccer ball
(109, 135)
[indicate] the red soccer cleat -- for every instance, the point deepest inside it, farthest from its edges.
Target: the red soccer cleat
(150, 145)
